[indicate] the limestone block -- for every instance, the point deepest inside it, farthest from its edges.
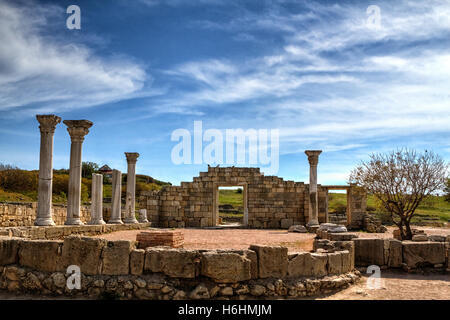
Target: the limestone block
(272, 260)
(84, 252)
(395, 254)
(417, 254)
(9, 250)
(42, 255)
(137, 258)
(286, 223)
(306, 264)
(334, 263)
(420, 237)
(116, 257)
(369, 252)
(346, 261)
(225, 266)
(297, 228)
(344, 236)
(172, 262)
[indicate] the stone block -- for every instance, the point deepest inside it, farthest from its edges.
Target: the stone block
(177, 263)
(395, 259)
(9, 251)
(369, 252)
(42, 255)
(137, 258)
(286, 223)
(418, 254)
(344, 236)
(334, 265)
(272, 260)
(225, 266)
(307, 264)
(84, 252)
(347, 264)
(116, 257)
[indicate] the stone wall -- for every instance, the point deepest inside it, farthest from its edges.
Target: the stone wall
(392, 253)
(23, 214)
(117, 268)
(271, 201)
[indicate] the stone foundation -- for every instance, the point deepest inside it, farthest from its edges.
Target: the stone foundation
(118, 269)
(153, 238)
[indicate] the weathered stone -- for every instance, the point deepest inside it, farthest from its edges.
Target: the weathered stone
(418, 254)
(298, 228)
(344, 236)
(200, 292)
(227, 291)
(286, 223)
(369, 252)
(59, 280)
(225, 266)
(420, 237)
(43, 255)
(172, 262)
(436, 238)
(83, 252)
(31, 282)
(140, 283)
(116, 257)
(395, 254)
(14, 273)
(272, 260)
(9, 251)
(137, 258)
(308, 264)
(346, 261)
(337, 229)
(257, 290)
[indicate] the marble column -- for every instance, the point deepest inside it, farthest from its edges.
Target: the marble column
(44, 208)
(77, 129)
(143, 216)
(313, 159)
(130, 205)
(116, 201)
(97, 199)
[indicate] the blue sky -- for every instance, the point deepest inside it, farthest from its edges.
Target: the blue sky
(139, 70)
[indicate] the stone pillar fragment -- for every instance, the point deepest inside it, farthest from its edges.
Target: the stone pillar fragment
(143, 216)
(313, 159)
(97, 199)
(130, 205)
(77, 129)
(44, 209)
(116, 202)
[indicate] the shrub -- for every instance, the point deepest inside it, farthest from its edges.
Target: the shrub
(16, 180)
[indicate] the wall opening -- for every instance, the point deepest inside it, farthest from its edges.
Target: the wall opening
(338, 206)
(230, 205)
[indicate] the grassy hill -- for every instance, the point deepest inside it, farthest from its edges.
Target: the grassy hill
(433, 207)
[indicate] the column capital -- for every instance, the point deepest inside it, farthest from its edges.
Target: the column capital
(47, 122)
(132, 157)
(313, 156)
(78, 129)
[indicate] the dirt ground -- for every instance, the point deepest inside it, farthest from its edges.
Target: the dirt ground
(397, 285)
(243, 238)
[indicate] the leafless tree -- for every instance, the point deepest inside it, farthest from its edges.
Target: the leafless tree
(401, 180)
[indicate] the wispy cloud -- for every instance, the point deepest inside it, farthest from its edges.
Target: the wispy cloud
(45, 73)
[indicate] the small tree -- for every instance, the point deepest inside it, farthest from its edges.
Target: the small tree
(88, 168)
(401, 180)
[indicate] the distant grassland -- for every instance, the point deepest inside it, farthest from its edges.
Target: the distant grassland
(433, 206)
(230, 196)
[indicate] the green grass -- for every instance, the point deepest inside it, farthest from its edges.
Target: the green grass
(229, 196)
(434, 206)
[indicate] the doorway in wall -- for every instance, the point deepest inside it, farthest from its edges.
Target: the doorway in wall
(338, 205)
(231, 205)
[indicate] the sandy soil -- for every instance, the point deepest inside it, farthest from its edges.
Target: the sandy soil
(397, 285)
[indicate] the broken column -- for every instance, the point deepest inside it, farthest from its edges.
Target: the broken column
(77, 130)
(143, 216)
(130, 205)
(116, 202)
(44, 208)
(313, 159)
(97, 199)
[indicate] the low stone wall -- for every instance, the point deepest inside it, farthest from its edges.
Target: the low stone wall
(118, 268)
(59, 232)
(392, 253)
(23, 214)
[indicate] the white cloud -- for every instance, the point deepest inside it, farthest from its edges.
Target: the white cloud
(45, 74)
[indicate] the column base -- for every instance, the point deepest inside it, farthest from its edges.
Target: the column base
(44, 222)
(312, 223)
(73, 222)
(130, 220)
(143, 221)
(96, 222)
(117, 221)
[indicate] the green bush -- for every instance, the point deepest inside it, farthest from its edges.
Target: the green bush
(16, 180)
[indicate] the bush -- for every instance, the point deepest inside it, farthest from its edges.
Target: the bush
(340, 209)
(16, 180)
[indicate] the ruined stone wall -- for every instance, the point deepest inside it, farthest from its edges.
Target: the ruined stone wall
(271, 201)
(24, 214)
(118, 268)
